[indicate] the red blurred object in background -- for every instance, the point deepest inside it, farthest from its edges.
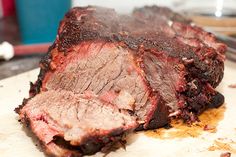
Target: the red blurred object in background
(7, 8)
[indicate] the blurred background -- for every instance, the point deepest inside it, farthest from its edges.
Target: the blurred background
(31, 25)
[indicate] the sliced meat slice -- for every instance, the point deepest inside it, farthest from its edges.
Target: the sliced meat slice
(84, 123)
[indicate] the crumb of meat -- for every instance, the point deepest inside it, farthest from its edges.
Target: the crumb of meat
(232, 86)
(209, 127)
(226, 154)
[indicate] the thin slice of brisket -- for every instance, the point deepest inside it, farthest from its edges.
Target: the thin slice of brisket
(108, 74)
(81, 123)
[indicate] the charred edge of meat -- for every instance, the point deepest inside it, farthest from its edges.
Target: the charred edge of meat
(159, 117)
(17, 110)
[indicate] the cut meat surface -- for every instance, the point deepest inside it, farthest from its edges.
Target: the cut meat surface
(110, 69)
(80, 120)
(107, 75)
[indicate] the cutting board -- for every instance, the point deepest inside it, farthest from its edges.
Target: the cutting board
(183, 141)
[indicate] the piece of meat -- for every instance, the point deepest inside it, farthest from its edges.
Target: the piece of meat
(152, 64)
(84, 122)
(232, 86)
(227, 154)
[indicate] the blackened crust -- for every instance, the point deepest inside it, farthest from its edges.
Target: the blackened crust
(159, 119)
(17, 110)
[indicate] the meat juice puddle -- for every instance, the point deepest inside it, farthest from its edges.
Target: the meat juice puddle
(208, 121)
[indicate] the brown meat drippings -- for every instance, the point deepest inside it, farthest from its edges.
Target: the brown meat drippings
(210, 118)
